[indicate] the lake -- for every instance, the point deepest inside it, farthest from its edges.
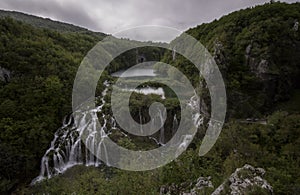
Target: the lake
(138, 72)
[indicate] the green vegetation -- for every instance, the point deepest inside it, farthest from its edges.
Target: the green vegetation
(43, 64)
(273, 147)
(258, 52)
(47, 23)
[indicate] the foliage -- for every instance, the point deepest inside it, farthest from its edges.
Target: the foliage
(272, 147)
(43, 63)
(241, 43)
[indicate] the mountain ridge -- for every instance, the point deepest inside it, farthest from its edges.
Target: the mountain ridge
(47, 23)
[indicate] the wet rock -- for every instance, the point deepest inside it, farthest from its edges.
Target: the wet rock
(242, 180)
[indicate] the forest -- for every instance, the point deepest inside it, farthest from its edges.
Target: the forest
(258, 53)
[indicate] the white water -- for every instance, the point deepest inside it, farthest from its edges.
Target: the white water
(149, 90)
(140, 72)
(174, 125)
(174, 54)
(137, 72)
(67, 149)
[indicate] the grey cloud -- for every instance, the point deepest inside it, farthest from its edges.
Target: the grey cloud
(111, 16)
(71, 12)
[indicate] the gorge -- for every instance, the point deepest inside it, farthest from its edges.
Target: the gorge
(42, 142)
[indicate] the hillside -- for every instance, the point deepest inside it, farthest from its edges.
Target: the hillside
(47, 23)
(37, 71)
(41, 65)
(258, 53)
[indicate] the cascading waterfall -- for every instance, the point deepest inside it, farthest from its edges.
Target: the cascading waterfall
(68, 146)
(66, 149)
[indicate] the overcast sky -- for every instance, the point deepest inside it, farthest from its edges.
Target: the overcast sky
(111, 16)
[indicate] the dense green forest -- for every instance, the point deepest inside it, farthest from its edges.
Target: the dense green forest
(258, 53)
(47, 23)
(43, 64)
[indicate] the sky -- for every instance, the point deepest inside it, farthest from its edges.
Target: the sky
(111, 16)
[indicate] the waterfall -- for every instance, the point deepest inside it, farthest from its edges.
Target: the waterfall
(153, 121)
(174, 54)
(194, 103)
(67, 150)
(184, 144)
(80, 129)
(113, 123)
(174, 125)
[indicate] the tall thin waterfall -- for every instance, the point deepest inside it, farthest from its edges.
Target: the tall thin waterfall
(174, 125)
(174, 54)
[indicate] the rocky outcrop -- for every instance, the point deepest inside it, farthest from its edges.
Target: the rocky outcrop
(296, 26)
(243, 180)
(202, 182)
(5, 75)
(261, 67)
(219, 56)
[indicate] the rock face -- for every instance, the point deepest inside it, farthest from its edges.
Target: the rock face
(296, 26)
(262, 69)
(202, 182)
(257, 66)
(242, 180)
(5, 75)
(220, 56)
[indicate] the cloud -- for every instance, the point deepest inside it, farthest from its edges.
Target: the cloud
(66, 11)
(110, 16)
